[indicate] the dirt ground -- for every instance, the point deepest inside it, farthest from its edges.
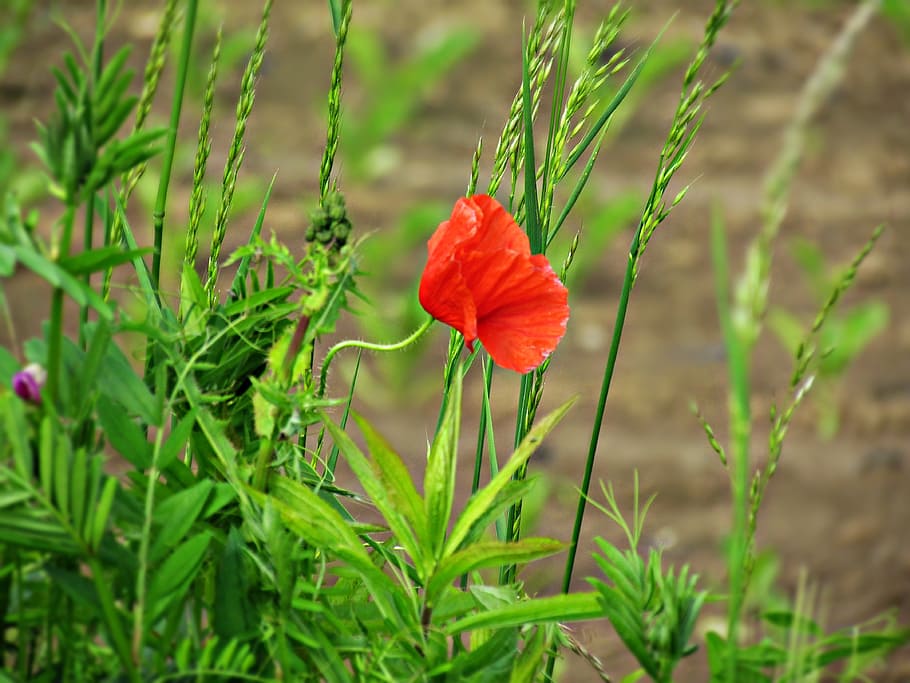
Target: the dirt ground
(837, 510)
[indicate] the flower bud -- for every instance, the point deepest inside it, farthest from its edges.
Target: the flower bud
(27, 383)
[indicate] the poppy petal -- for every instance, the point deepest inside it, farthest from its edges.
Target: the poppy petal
(498, 230)
(462, 226)
(482, 280)
(444, 294)
(522, 309)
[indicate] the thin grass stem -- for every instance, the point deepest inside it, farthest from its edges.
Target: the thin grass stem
(170, 146)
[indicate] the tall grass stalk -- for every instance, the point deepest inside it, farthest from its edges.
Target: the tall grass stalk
(186, 49)
(742, 319)
(681, 135)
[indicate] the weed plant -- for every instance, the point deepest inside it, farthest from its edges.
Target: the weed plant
(226, 548)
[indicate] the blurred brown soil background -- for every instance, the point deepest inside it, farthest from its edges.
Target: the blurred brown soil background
(838, 510)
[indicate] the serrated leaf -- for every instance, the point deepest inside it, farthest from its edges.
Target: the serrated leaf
(377, 487)
(318, 523)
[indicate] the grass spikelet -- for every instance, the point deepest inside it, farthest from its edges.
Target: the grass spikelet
(334, 101)
(540, 42)
(686, 122)
(203, 149)
(236, 151)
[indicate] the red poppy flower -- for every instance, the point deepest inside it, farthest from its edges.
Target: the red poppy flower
(481, 279)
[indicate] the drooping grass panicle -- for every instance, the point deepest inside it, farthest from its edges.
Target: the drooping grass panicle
(203, 150)
(236, 150)
(576, 112)
(742, 320)
(540, 41)
(802, 380)
(752, 289)
(686, 122)
(333, 129)
(805, 351)
(579, 106)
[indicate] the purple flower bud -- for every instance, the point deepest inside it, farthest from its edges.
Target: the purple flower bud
(27, 383)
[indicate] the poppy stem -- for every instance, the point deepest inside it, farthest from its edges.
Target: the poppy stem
(369, 346)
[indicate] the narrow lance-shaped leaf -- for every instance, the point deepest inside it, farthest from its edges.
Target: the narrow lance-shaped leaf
(439, 479)
(477, 506)
(562, 608)
(489, 554)
(389, 490)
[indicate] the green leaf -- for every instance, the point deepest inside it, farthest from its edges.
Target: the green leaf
(476, 511)
(491, 662)
(319, 524)
(171, 580)
(29, 529)
(488, 554)
(79, 588)
(7, 260)
(75, 481)
(102, 258)
(844, 645)
(377, 487)
(789, 330)
(124, 433)
(396, 479)
(561, 608)
(16, 434)
(176, 440)
(56, 276)
(102, 511)
(175, 516)
(439, 478)
(91, 364)
(530, 660)
(234, 615)
(845, 337)
(118, 381)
